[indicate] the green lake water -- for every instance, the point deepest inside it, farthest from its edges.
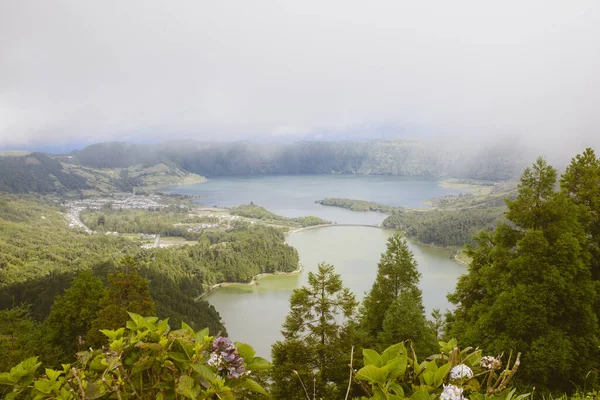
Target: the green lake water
(254, 314)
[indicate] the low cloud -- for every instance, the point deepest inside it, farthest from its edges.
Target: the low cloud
(149, 70)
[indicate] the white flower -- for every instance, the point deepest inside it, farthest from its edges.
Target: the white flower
(214, 360)
(451, 392)
(460, 371)
(490, 362)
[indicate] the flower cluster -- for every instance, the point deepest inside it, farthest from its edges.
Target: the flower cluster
(451, 392)
(489, 362)
(461, 371)
(226, 358)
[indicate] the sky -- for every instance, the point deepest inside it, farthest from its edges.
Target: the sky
(89, 71)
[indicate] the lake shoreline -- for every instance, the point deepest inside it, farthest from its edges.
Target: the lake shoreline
(253, 282)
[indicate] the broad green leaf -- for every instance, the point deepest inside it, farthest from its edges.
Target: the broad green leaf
(245, 350)
(185, 387)
(258, 364)
(371, 357)
(200, 335)
(185, 327)
(52, 374)
(421, 394)
(254, 386)
(396, 367)
(43, 386)
(6, 379)
(393, 351)
(395, 388)
(204, 371)
(371, 374)
(440, 374)
(138, 320)
(178, 357)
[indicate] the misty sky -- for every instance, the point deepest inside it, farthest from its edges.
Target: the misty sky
(222, 70)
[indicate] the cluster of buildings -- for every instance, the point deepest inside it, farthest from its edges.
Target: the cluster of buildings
(117, 202)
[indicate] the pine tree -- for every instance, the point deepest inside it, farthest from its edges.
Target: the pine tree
(405, 320)
(581, 182)
(316, 349)
(72, 314)
(127, 291)
(395, 297)
(529, 287)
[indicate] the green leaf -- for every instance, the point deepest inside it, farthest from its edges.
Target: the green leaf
(394, 351)
(396, 367)
(258, 364)
(421, 394)
(395, 388)
(178, 357)
(113, 334)
(254, 386)
(43, 386)
(204, 371)
(200, 335)
(245, 350)
(371, 357)
(7, 379)
(186, 328)
(185, 387)
(52, 374)
(371, 374)
(138, 320)
(440, 374)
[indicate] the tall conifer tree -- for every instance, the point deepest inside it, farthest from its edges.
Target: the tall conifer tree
(529, 287)
(316, 349)
(393, 310)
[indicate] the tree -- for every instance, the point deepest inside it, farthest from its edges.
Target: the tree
(405, 320)
(529, 287)
(316, 348)
(581, 182)
(127, 292)
(15, 326)
(72, 314)
(395, 299)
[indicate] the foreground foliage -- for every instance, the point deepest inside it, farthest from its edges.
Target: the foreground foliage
(453, 374)
(145, 360)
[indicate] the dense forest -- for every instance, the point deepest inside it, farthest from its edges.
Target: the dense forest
(40, 257)
(260, 213)
(445, 227)
(454, 223)
(357, 205)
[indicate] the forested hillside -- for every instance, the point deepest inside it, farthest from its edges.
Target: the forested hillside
(36, 172)
(429, 158)
(453, 221)
(40, 255)
(260, 213)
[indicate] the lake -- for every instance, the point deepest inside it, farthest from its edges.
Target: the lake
(295, 196)
(254, 314)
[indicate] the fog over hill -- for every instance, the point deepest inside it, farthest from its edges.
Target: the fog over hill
(424, 157)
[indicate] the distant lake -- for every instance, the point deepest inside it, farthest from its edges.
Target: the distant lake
(254, 314)
(295, 195)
